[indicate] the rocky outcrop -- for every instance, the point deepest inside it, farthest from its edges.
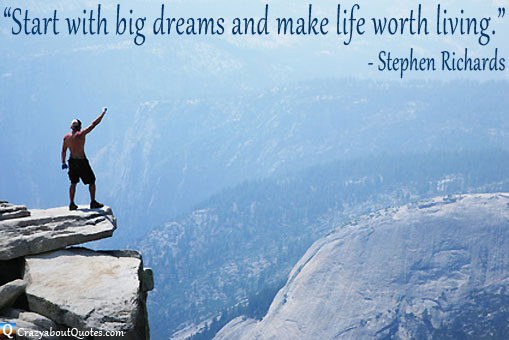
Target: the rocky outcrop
(53, 287)
(45, 230)
(417, 271)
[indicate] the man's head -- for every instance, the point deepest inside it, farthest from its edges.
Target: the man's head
(76, 125)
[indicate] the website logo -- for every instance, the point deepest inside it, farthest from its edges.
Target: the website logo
(8, 330)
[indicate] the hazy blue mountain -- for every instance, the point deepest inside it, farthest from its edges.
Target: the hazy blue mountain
(246, 239)
(437, 269)
(178, 152)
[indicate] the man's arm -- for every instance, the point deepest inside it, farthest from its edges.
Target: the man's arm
(94, 123)
(64, 152)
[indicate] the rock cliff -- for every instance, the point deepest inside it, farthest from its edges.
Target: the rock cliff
(45, 285)
(439, 269)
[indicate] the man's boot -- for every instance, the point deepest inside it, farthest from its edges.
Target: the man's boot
(96, 205)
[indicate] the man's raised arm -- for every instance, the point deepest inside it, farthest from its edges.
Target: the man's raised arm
(95, 122)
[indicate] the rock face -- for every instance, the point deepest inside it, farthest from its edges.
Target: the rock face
(416, 271)
(45, 230)
(71, 287)
(51, 287)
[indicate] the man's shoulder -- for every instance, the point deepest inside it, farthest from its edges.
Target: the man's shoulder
(67, 135)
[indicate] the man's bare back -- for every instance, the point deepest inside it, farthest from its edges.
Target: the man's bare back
(75, 142)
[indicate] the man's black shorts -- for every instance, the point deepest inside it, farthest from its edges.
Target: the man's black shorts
(80, 168)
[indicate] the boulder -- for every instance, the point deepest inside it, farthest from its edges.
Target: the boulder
(10, 211)
(86, 289)
(46, 230)
(10, 292)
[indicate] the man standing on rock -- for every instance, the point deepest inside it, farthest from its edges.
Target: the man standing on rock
(78, 162)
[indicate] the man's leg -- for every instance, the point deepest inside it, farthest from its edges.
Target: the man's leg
(72, 192)
(89, 178)
(91, 188)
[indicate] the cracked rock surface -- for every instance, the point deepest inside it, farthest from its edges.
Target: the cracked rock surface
(51, 229)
